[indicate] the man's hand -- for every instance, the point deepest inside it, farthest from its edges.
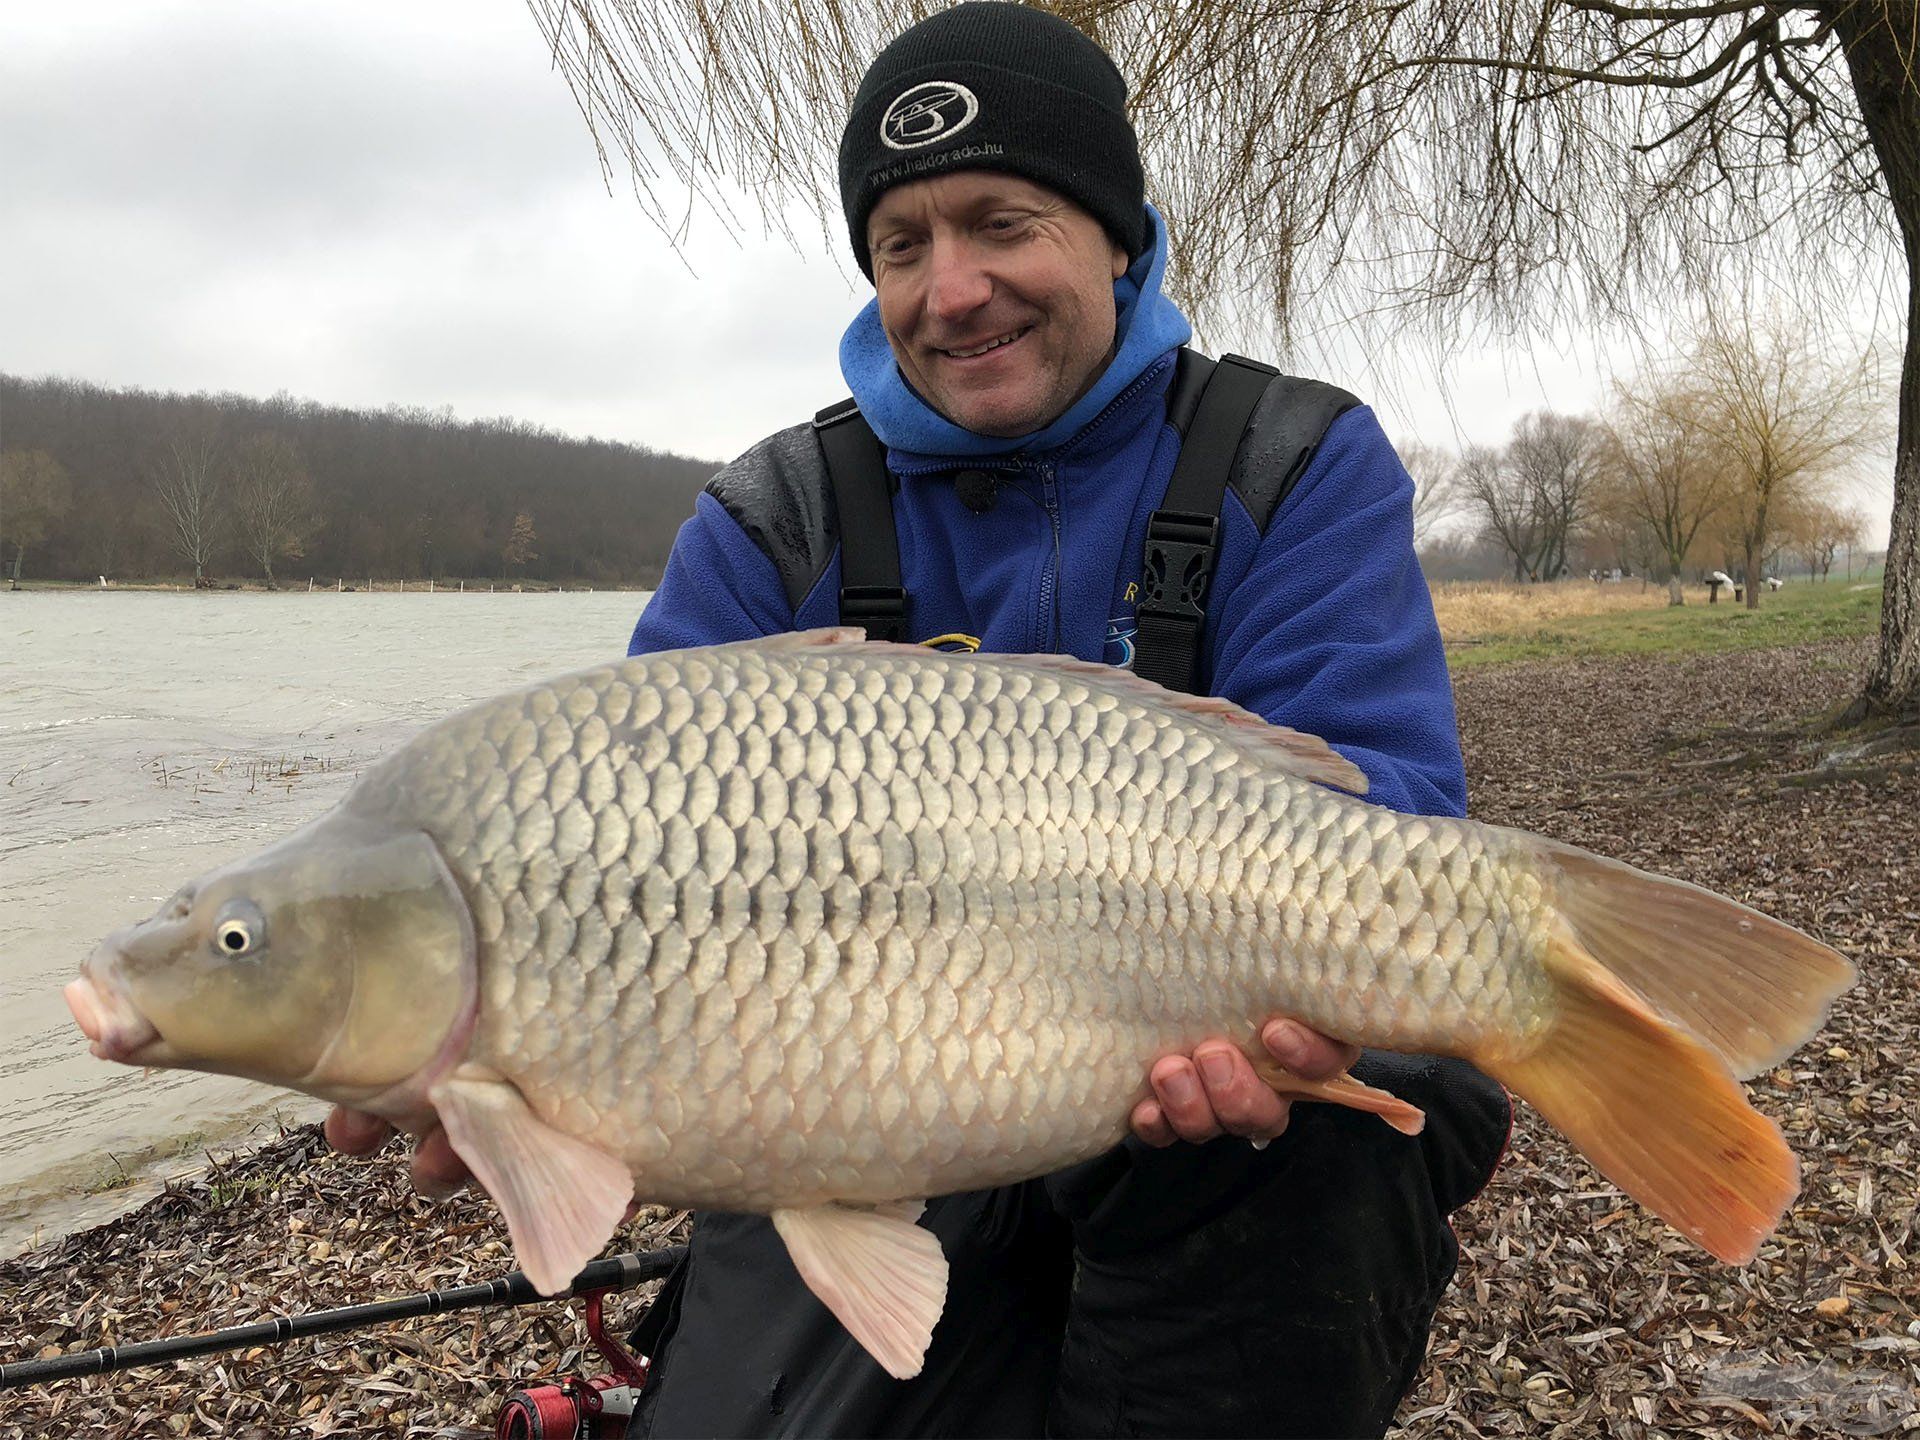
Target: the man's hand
(438, 1173)
(1215, 1092)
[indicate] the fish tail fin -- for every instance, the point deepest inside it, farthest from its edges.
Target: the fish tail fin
(1749, 988)
(1655, 1110)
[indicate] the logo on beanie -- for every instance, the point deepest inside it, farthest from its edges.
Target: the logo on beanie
(927, 112)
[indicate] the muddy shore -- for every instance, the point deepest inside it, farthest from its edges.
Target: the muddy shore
(1574, 1313)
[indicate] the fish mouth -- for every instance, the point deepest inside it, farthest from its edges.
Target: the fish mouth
(109, 1020)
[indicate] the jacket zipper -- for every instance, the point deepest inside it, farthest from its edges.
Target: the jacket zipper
(1050, 576)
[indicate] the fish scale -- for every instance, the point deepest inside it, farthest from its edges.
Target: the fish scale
(1052, 872)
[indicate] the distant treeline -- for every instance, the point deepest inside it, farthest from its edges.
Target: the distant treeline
(131, 484)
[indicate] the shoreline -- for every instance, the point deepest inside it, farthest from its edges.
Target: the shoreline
(69, 1198)
(363, 586)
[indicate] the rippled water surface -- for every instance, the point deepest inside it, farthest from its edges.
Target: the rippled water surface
(145, 737)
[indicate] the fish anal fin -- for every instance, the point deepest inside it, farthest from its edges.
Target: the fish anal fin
(1655, 1110)
(1343, 1089)
(881, 1275)
(562, 1197)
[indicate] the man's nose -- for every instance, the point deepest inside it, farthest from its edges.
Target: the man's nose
(957, 284)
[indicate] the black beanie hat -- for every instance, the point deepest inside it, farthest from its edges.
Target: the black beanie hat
(991, 85)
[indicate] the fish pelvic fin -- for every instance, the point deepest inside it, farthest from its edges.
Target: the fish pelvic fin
(1749, 988)
(881, 1275)
(1342, 1089)
(1655, 1110)
(562, 1197)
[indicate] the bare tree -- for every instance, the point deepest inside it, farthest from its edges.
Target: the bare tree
(34, 493)
(1533, 495)
(1436, 495)
(1493, 495)
(273, 500)
(1540, 164)
(1659, 469)
(1823, 530)
(1782, 417)
(1555, 458)
(187, 482)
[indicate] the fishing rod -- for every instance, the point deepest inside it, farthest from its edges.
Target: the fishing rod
(618, 1272)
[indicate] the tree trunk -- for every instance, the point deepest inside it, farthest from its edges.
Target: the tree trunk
(1880, 59)
(1752, 576)
(1675, 594)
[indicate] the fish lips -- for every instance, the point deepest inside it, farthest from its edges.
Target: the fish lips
(108, 1017)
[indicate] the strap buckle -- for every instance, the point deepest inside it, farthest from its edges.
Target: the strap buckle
(1181, 549)
(880, 610)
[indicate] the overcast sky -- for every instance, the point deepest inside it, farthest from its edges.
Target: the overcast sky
(397, 203)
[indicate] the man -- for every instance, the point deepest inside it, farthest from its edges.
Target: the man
(1017, 361)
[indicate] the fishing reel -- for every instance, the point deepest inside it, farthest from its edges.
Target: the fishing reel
(579, 1407)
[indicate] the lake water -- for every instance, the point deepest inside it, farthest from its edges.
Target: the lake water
(146, 737)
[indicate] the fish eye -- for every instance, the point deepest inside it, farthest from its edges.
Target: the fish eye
(240, 931)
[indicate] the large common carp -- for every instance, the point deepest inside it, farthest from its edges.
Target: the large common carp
(819, 928)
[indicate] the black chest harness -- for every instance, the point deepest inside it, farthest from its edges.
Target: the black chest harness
(1210, 405)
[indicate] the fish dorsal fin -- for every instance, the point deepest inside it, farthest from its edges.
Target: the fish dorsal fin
(1295, 751)
(562, 1197)
(881, 1275)
(824, 637)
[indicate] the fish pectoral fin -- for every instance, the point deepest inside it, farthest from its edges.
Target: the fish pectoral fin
(881, 1275)
(563, 1198)
(1343, 1089)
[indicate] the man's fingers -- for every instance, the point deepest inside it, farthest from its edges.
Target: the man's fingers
(438, 1173)
(1183, 1100)
(1150, 1124)
(354, 1132)
(1307, 1053)
(1242, 1103)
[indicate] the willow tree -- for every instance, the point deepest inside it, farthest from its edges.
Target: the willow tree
(1659, 470)
(1522, 166)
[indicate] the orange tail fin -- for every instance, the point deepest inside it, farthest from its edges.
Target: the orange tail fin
(1654, 1109)
(1746, 986)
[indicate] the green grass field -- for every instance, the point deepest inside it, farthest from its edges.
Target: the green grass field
(1801, 612)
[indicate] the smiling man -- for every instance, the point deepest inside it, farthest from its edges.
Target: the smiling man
(1024, 374)
(996, 296)
(1018, 476)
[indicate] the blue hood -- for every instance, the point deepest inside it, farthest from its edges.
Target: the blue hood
(1148, 325)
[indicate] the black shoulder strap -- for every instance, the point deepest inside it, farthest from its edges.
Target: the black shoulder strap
(870, 591)
(1183, 535)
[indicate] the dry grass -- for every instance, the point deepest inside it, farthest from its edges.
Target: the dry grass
(1479, 609)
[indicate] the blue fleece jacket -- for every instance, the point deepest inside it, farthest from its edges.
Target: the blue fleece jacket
(1323, 623)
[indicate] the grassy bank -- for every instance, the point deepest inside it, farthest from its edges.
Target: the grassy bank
(1496, 624)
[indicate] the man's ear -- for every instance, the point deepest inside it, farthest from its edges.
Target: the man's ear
(1119, 262)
